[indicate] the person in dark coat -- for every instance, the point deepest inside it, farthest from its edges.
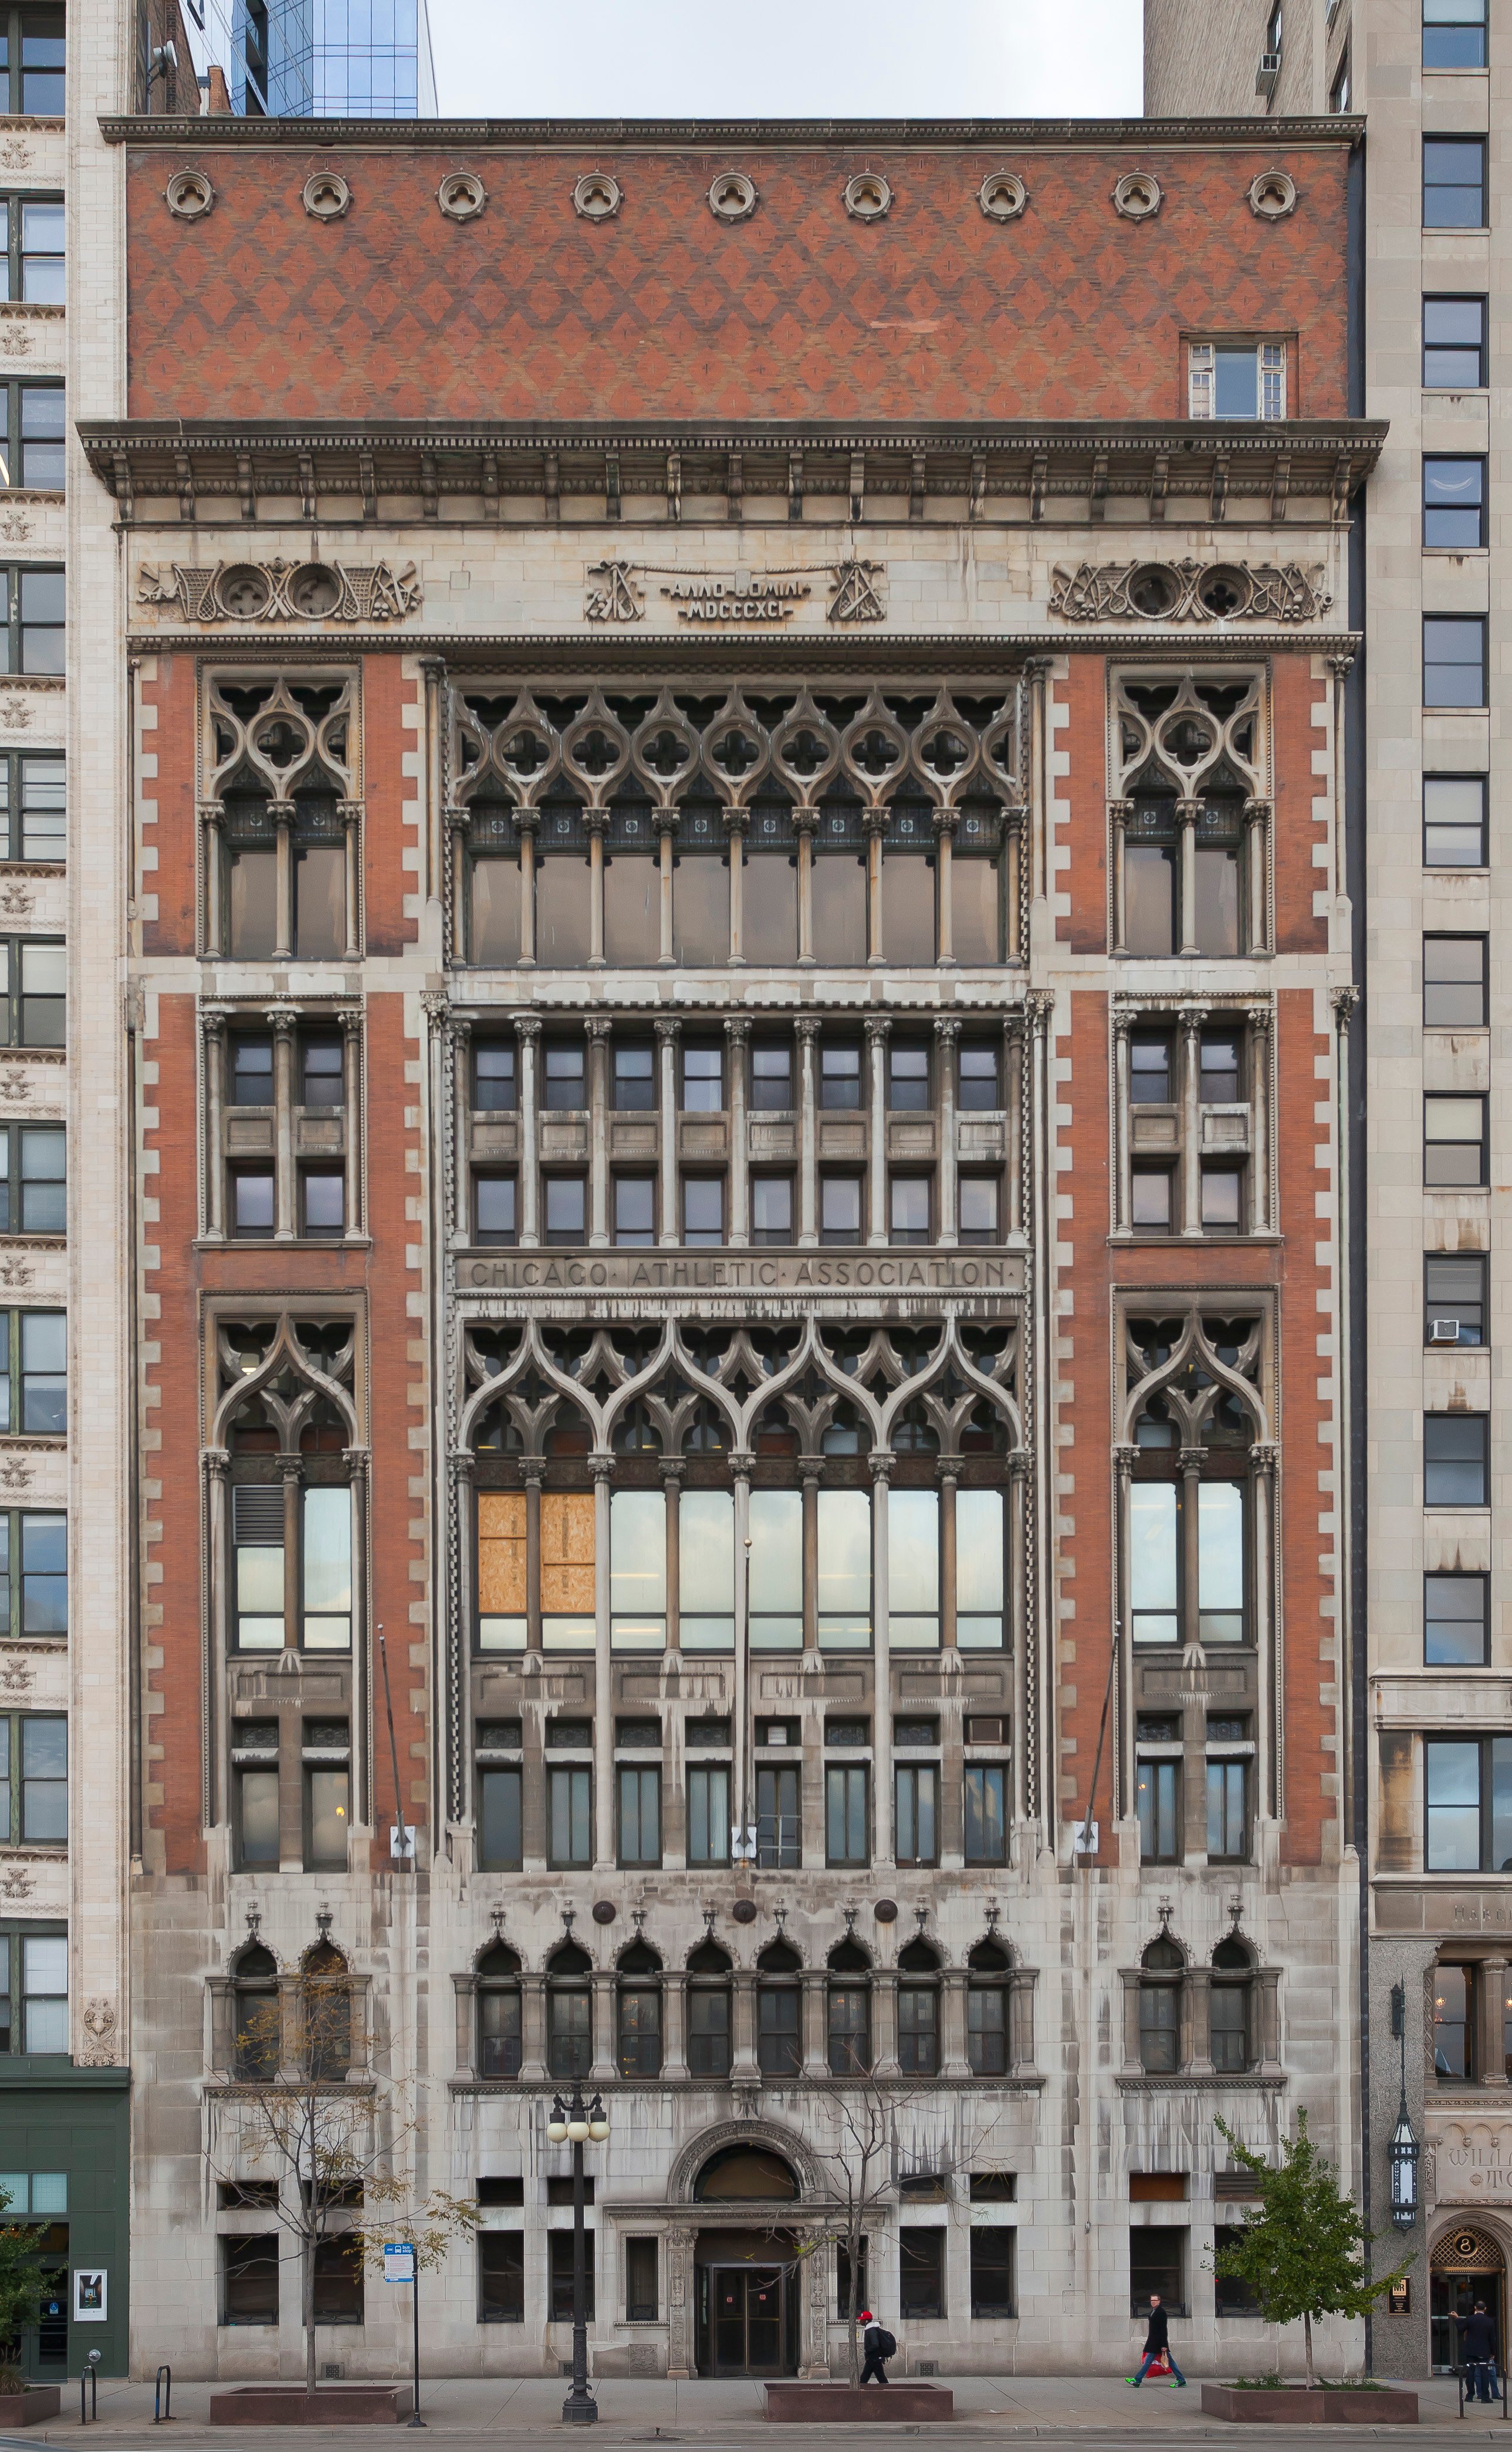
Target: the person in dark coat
(1156, 2340)
(879, 2346)
(1478, 2353)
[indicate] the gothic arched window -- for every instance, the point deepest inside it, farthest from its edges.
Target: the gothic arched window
(1231, 2007)
(326, 2012)
(638, 2022)
(569, 2013)
(918, 2009)
(850, 2006)
(780, 2029)
(497, 1974)
(1162, 1972)
(255, 2013)
(987, 2010)
(709, 2011)
(1196, 1408)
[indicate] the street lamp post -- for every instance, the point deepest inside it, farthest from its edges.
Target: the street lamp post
(575, 2123)
(1405, 2147)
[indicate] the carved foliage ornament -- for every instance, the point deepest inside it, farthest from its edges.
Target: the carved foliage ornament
(282, 591)
(1188, 591)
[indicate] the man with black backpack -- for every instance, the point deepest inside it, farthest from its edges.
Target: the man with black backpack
(879, 2346)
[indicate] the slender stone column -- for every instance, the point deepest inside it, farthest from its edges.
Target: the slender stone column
(806, 1029)
(667, 1033)
(878, 1031)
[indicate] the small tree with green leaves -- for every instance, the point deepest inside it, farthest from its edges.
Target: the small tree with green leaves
(1304, 2254)
(20, 2295)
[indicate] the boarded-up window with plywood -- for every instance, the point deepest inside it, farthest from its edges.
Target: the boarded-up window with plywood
(567, 1570)
(501, 1587)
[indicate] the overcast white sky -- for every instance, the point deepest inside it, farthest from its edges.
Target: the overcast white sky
(787, 59)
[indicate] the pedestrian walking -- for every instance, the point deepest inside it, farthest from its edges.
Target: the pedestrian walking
(879, 2346)
(1478, 2353)
(1157, 2346)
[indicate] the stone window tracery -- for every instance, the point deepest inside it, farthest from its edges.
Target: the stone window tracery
(592, 828)
(1190, 818)
(281, 818)
(642, 1447)
(1194, 1457)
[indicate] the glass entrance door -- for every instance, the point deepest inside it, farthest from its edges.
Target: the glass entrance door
(746, 2331)
(1470, 2268)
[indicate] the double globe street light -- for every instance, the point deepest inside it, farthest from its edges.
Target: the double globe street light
(575, 2124)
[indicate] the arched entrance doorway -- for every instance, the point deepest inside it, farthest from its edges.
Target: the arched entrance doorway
(745, 2269)
(1466, 2264)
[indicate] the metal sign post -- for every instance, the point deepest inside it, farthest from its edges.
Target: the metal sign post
(399, 2266)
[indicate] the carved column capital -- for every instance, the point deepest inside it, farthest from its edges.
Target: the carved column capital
(464, 1466)
(1125, 1459)
(742, 1463)
(668, 1028)
(947, 1029)
(350, 812)
(878, 1029)
(807, 1026)
(217, 1463)
(1343, 1001)
(283, 1018)
(875, 822)
(459, 816)
(533, 1470)
(806, 821)
(598, 1027)
(282, 812)
(527, 1026)
(1119, 812)
(1260, 1017)
(350, 1019)
(1017, 1462)
(673, 1470)
(1256, 812)
(1123, 1021)
(1265, 1456)
(213, 1019)
(1039, 1004)
(880, 1463)
(1191, 1019)
(738, 1030)
(601, 1464)
(527, 820)
(212, 813)
(1342, 666)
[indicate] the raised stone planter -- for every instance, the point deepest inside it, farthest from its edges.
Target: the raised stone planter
(331, 2404)
(1294, 2405)
(28, 2408)
(853, 2404)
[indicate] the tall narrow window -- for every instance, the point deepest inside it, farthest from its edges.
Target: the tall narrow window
(1228, 1811)
(708, 1793)
(916, 1803)
(1152, 1562)
(637, 1570)
(569, 1800)
(569, 2011)
(845, 1814)
(1157, 1801)
(639, 1814)
(780, 1820)
(498, 2032)
(985, 1790)
(568, 1545)
(913, 1570)
(1160, 1989)
(706, 1570)
(1229, 2006)
(327, 1566)
(918, 2010)
(257, 1532)
(709, 2011)
(779, 2044)
(501, 1599)
(844, 1590)
(776, 1570)
(980, 1623)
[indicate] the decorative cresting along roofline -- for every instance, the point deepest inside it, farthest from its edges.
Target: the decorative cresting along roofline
(882, 473)
(223, 130)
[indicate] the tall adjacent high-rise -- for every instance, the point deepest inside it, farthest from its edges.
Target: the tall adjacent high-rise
(315, 59)
(730, 995)
(1433, 1730)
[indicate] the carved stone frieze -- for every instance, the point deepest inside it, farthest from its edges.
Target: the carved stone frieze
(281, 591)
(726, 598)
(1188, 591)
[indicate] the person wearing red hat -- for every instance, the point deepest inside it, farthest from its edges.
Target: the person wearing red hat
(879, 2346)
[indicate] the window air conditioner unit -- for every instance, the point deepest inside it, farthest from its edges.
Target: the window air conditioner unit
(1443, 1332)
(1268, 73)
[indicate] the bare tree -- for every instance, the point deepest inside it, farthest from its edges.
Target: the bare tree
(863, 2168)
(295, 2116)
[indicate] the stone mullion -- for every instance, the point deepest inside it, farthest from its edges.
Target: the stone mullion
(806, 1029)
(596, 821)
(285, 1186)
(350, 814)
(667, 1034)
(1257, 844)
(946, 821)
(1119, 813)
(282, 813)
(947, 1040)
(597, 1029)
(875, 823)
(735, 822)
(1187, 812)
(528, 1032)
(352, 1123)
(212, 1023)
(1191, 1023)
(526, 822)
(212, 828)
(805, 822)
(738, 1037)
(878, 1034)
(1123, 1127)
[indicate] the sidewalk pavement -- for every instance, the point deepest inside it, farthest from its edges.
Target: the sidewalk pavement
(648, 2410)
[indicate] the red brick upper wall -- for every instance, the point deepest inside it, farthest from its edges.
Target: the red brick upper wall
(260, 311)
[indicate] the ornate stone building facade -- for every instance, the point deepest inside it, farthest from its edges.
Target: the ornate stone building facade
(741, 935)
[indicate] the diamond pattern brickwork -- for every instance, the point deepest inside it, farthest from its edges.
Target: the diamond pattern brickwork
(936, 312)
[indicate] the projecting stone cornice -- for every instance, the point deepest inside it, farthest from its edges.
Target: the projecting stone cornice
(222, 130)
(698, 472)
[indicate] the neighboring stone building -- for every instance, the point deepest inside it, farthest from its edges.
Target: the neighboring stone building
(1432, 1722)
(739, 924)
